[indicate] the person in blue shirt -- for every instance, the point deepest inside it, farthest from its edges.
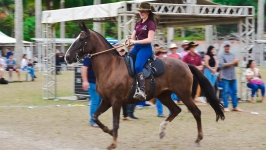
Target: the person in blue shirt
(8, 53)
(11, 66)
(89, 83)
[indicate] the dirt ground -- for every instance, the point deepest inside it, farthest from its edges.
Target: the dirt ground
(55, 126)
(66, 128)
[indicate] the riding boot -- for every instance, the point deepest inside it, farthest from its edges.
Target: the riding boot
(140, 92)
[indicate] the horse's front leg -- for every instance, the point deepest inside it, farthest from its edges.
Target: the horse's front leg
(116, 117)
(104, 106)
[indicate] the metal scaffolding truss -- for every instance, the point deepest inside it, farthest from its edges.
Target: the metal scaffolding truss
(48, 61)
(174, 13)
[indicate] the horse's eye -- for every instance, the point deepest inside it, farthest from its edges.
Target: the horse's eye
(81, 39)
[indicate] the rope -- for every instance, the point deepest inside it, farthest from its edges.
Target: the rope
(125, 44)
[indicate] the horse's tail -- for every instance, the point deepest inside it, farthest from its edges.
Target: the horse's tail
(208, 91)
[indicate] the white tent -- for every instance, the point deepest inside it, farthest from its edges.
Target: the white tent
(79, 13)
(6, 39)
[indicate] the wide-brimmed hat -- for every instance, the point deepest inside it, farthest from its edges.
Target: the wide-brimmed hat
(192, 44)
(161, 50)
(144, 6)
(185, 42)
(173, 45)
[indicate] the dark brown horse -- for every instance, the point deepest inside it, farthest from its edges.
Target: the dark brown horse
(114, 83)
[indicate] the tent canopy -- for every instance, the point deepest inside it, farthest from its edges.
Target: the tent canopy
(98, 11)
(81, 13)
(4, 39)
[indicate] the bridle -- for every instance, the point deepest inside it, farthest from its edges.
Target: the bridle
(126, 44)
(82, 50)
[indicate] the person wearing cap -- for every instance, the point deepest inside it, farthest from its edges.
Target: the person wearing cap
(194, 59)
(142, 38)
(173, 49)
(184, 47)
(228, 61)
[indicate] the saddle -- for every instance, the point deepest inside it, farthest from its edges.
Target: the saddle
(153, 68)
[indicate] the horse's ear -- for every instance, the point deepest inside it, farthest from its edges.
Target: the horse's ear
(80, 25)
(84, 27)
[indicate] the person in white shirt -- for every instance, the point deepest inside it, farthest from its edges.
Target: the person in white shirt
(254, 80)
(24, 66)
(2, 65)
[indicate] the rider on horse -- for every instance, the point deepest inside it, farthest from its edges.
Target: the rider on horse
(142, 37)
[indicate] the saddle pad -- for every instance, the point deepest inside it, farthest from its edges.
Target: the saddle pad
(155, 67)
(158, 67)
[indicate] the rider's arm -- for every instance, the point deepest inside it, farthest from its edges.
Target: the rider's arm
(133, 36)
(147, 40)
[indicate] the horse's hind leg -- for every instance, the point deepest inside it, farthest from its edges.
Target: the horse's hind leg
(116, 117)
(165, 98)
(187, 100)
(102, 108)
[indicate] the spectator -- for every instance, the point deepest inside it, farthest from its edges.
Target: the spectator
(24, 66)
(173, 49)
(30, 64)
(8, 53)
(253, 76)
(184, 51)
(122, 52)
(35, 60)
(2, 65)
(89, 83)
(131, 107)
(211, 65)
(194, 59)
(155, 48)
(161, 52)
(57, 62)
(227, 63)
(11, 66)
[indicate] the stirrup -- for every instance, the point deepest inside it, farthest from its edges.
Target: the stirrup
(139, 94)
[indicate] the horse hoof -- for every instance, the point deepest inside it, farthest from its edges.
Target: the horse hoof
(112, 146)
(196, 144)
(161, 135)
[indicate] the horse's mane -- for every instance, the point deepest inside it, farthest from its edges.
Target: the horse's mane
(111, 46)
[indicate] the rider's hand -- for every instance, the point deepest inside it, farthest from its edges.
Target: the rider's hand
(85, 86)
(132, 41)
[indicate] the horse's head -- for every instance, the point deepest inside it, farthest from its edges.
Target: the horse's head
(80, 47)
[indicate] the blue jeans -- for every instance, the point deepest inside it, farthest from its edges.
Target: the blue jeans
(255, 87)
(233, 85)
(174, 97)
(141, 103)
(95, 100)
(31, 71)
(143, 53)
(159, 107)
(210, 77)
(220, 84)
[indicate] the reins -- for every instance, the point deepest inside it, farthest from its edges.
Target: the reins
(125, 44)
